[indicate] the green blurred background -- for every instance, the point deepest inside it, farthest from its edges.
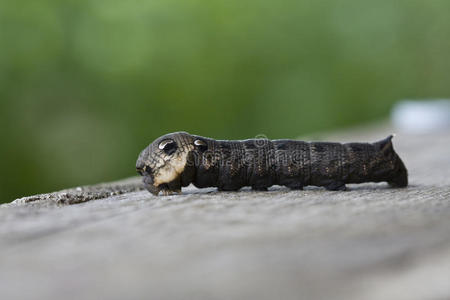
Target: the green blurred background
(86, 84)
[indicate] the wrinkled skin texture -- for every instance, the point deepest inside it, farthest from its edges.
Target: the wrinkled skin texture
(178, 159)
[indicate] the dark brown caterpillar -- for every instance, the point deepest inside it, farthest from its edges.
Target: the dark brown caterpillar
(175, 160)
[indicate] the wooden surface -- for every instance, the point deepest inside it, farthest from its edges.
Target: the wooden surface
(120, 242)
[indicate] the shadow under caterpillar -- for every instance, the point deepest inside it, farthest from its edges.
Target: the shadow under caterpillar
(178, 159)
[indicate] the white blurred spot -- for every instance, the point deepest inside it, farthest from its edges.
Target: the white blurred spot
(421, 116)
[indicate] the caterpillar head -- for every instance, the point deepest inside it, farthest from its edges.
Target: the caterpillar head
(166, 164)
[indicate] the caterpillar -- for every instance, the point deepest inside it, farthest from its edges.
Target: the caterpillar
(178, 159)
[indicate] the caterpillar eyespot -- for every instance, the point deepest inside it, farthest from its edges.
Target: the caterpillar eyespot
(261, 163)
(201, 145)
(165, 143)
(168, 146)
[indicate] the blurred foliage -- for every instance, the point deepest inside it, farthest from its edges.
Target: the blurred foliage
(85, 85)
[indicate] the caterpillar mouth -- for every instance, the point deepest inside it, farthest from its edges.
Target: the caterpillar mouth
(148, 183)
(164, 187)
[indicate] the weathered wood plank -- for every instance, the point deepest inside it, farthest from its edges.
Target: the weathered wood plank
(371, 242)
